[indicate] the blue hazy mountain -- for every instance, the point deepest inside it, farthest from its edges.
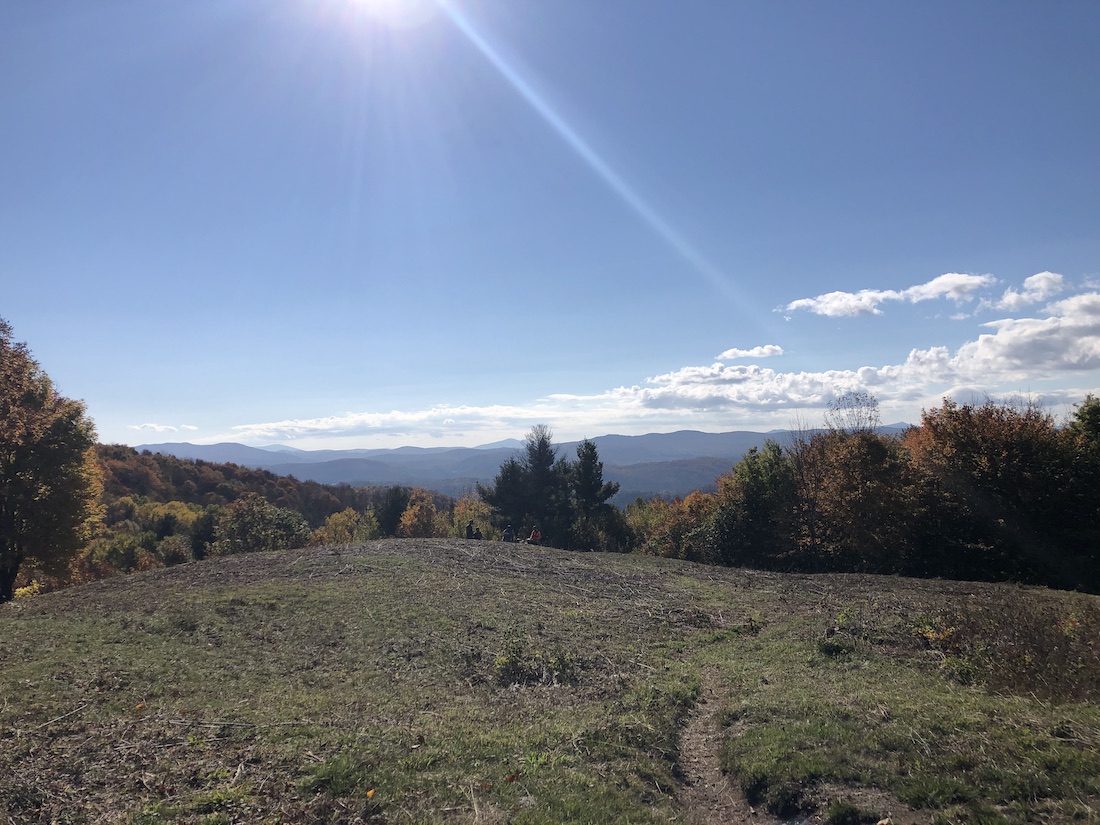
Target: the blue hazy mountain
(667, 464)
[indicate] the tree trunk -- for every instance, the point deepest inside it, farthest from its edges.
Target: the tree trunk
(9, 569)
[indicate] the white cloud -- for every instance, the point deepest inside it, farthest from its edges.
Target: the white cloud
(441, 420)
(952, 285)
(766, 351)
(156, 428)
(1068, 340)
(845, 304)
(1037, 288)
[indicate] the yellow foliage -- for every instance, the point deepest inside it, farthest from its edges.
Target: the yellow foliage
(469, 509)
(346, 527)
(418, 520)
(32, 589)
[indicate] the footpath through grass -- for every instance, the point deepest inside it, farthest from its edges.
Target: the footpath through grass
(451, 681)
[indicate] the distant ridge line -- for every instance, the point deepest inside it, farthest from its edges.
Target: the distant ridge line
(665, 464)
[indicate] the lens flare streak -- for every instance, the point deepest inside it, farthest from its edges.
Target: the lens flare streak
(632, 199)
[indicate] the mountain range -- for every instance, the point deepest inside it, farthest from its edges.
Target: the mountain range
(656, 464)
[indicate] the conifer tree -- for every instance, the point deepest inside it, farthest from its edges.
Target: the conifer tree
(567, 500)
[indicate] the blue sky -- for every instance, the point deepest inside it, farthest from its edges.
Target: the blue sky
(374, 223)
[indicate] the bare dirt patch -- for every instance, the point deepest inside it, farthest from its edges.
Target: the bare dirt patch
(708, 796)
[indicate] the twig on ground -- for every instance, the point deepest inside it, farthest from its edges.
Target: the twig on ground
(59, 718)
(197, 724)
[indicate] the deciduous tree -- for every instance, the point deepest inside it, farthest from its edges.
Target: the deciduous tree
(418, 520)
(252, 524)
(867, 503)
(854, 411)
(995, 479)
(678, 529)
(469, 509)
(349, 526)
(49, 481)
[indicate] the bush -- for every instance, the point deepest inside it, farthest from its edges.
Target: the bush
(251, 524)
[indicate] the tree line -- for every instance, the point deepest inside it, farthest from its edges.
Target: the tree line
(993, 491)
(990, 491)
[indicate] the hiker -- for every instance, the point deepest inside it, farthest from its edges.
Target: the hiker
(477, 534)
(509, 534)
(470, 529)
(536, 536)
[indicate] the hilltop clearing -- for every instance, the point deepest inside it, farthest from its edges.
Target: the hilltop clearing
(432, 680)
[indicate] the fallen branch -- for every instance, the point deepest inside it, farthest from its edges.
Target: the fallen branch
(59, 718)
(196, 724)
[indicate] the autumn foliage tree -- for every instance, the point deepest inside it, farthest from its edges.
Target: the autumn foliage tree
(252, 524)
(138, 534)
(999, 483)
(678, 529)
(49, 483)
(867, 502)
(349, 526)
(467, 509)
(418, 519)
(993, 491)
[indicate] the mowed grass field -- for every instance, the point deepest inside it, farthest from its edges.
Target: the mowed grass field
(423, 681)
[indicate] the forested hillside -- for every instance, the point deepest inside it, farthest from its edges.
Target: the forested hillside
(157, 510)
(164, 478)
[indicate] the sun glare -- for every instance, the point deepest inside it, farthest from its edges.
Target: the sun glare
(399, 14)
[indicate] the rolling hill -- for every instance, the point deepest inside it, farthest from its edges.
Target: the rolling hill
(407, 681)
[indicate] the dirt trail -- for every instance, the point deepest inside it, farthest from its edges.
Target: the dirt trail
(709, 797)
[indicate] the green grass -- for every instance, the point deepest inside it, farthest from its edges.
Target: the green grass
(431, 681)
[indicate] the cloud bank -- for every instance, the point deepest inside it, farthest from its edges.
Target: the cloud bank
(1056, 344)
(163, 428)
(955, 286)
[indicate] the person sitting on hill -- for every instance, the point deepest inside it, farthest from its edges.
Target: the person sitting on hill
(509, 534)
(536, 536)
(477, 534)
